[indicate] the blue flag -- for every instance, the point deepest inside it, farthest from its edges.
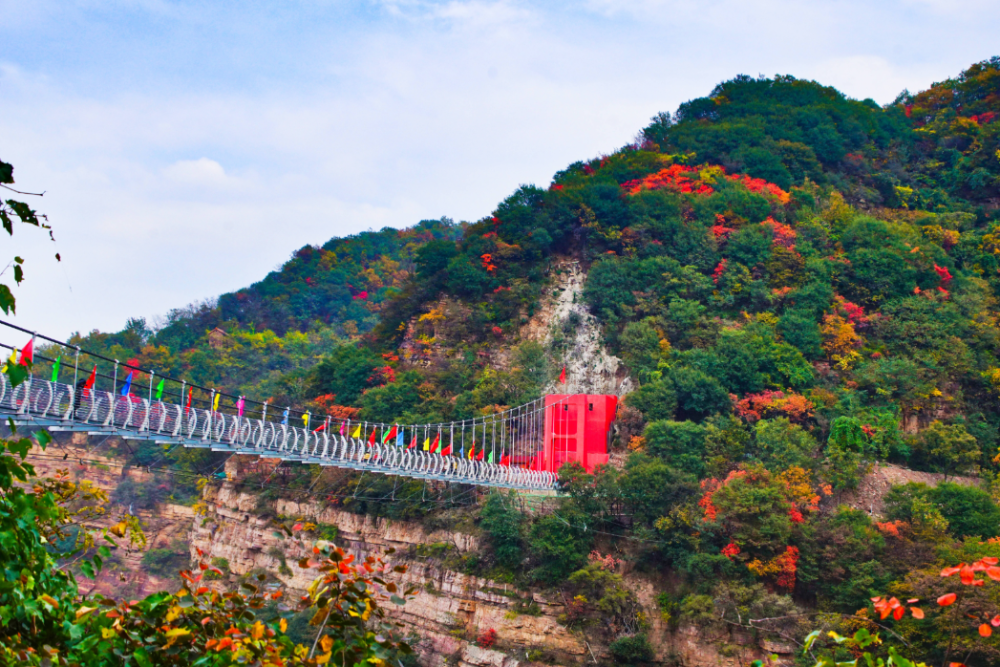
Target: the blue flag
(128, 384)
(400, 441)
(284, 417)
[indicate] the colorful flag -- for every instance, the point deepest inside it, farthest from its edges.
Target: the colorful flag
(505, 460)
(128, 384)
(490, 458)
(389, 435)
(343, 426)
(372, 437)
(55, 369)
(215, 402)
(414, 443)
(400, 441)
(481, 454)
(562, 376)
(357, 432)
(12, 360)
(319, 428)
(446, 451)
(284, 417)
(159, 390)
(472, 450)
(427, 444)
(434, 445)
(305, 420)
(239, 406)
(28, 353)
(91, 380)
(190, 394)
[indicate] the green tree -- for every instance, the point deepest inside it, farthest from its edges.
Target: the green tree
(503, 522)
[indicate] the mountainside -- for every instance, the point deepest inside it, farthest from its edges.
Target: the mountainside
(789, 287)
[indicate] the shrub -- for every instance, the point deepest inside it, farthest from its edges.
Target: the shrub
(631, 650)
(166, 562)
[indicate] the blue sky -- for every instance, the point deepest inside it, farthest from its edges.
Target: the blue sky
(187, 148)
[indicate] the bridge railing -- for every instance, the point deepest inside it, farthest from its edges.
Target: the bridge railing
(65, 407)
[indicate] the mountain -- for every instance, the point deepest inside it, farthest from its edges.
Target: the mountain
(798, 286)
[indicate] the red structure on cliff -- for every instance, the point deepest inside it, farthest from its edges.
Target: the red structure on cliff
(577, 428)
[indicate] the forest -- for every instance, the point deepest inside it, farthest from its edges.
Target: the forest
(803, 286)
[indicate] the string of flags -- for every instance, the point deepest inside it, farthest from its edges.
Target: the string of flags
(394, 435)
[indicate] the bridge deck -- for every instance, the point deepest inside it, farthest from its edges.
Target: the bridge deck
(62, 407)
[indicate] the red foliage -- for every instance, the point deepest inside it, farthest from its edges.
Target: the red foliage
(760, 186)
(787, 561)
(487, 639)
(555, 187)
(719, 270)
(389, 356)
(730, 550)
(711, 486)
(501, 289)
(588, 170)
(943, 291)
(488, 261)
(943, 273)
(754, 407)
(721, 232)
(854, 313)
(383, 375)
(497, 331)
(796, 515)
(361, 295)
(890, 528)
(783, 234)
(676, 177)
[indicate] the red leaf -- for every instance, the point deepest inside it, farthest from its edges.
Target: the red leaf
(996, 621)
(946, 599)
(990, 560)
(948, 571)
(967, 575)
(202, 590)
(297, 526)
(993, 573)
(203, 566)
(917, 612)
(898, 613)
(985, 630)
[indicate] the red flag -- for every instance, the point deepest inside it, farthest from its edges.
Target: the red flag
(505, 460)
(434, 445)
(414, 443)
(319, 428)
(481, 454)
(562, 376)
(27, 354)
(371, 438)
(190, 392)
(89, 384)
(446, 451)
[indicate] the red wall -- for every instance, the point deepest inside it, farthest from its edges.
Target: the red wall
(576, 429)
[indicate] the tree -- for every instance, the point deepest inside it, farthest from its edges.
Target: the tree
(503, 523)
(950, 448)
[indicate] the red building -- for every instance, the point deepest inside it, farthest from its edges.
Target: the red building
(577, 428)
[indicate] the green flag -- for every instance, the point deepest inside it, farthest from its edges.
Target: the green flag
(55, 369)
(159, 390)
(489, 459)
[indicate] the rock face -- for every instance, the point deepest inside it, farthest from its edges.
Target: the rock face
(565, 319)
(452, 609)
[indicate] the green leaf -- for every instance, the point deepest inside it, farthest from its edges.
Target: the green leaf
(6, 172)
(18, 274)
(7, 300)
(24, 212)
(104, 551)
(397, 600)
(810, 640)
(142, 657)
(88, 569)
(17, 374)
(43, 438)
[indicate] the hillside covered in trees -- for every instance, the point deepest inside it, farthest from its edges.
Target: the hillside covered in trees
(803, 285)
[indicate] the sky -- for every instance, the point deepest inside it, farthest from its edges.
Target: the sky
(187, 148)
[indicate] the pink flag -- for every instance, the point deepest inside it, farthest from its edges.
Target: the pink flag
(343, 425)
(239, 406)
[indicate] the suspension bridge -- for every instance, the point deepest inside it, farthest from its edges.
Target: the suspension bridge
(70, 389)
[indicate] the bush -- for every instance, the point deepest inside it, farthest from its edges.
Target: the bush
(502, 521)
(631, 650)
(166, 562)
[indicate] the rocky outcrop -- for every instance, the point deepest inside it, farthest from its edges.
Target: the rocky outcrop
(453, 608)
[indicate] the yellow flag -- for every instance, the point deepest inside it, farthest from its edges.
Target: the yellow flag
(357, 432)
(305, 420)
(215, 403)
(472, 450)
(427, 445)
(12, 361)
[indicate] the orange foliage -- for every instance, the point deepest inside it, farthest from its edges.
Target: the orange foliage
(841, 338)
(768, 403)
